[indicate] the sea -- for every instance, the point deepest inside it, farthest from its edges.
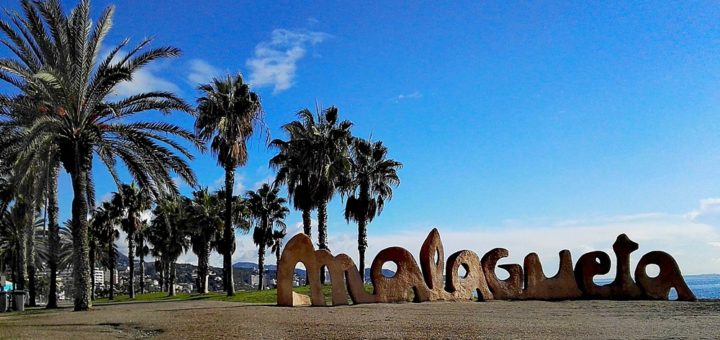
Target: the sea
(704, 287)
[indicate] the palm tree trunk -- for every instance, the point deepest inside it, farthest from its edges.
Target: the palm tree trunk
(307, 222)
(92, 270)
(307, 230)
(261, 265)
(30, 256)
(21, 257)
(261, 254)
(277, 255)
(362, 245)
(204, 277)
(78, 169)
(54, 234)
(202, 273)
(161, 274)
(17, 284)
(141, 246)
(111, 267)
(171, 288)
(322, 234)
(131, 259)
(167, 276)
(228, 234)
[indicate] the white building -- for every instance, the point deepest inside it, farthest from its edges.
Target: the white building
(99, 276)
(107, 276)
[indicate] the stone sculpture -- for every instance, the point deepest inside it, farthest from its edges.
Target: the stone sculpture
(426, 282)
(658, 288)
(562, 286)
(474, 280)
(508, 289)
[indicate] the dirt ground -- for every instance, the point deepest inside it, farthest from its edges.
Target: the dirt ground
(496, 319)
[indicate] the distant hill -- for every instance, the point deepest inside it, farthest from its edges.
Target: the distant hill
(254, 266)
(386, 273)
(245, 265)
(122, 260)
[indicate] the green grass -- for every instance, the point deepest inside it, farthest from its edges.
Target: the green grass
(254, 296)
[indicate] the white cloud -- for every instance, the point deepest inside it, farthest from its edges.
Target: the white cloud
(707, 213)
(275, 62)
(144, 80)
(238, 189)
(413, 95)
(686, 241)
(202, 72)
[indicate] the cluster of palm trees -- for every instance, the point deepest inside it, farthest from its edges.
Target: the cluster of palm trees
(66, 115)
(322, 158)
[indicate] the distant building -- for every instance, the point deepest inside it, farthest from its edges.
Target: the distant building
(106, 273)
(99, 276)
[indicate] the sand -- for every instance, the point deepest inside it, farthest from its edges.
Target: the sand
(496, 319)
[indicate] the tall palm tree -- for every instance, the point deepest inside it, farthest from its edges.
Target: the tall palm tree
(319, 145)
(277, 242)
(228, 114)
(77, 114)
(368, 187)
(51, 210)
(18, 115)
(12, 241)
(142, 250)
(205, 221)
(267, 209)
(105, 219)
(168, 235)
(292, 172)
(132, 201)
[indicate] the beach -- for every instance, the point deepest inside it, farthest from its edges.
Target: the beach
(494, 319)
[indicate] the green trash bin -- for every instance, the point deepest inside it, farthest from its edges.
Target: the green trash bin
(18, 300)
(4, 301)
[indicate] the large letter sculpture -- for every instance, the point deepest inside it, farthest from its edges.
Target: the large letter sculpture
(426, 282)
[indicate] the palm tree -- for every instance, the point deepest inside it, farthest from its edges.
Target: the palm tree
(277, 242)
(319, 145)
(228, 114)
(132, 201)
(267, 209)
(13, 242)
(77, 115)
(105, 218)
(20, 113)
(51, 210)
(168, 236)
(368, 187)
(141, 251)
(291, 171)
(205, 222)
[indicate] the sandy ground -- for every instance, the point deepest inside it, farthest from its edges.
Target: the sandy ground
(497, 319)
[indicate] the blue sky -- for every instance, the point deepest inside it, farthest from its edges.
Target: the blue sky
(535, 127)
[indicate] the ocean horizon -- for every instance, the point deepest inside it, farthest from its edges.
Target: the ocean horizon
(704, 286)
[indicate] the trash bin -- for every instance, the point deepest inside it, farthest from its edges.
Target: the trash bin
(18, 300)
(4, 301)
